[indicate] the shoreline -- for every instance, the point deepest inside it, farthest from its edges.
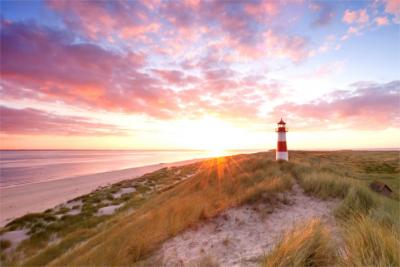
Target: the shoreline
(18, 200)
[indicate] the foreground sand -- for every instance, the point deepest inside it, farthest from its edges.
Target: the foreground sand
(19, 200)
(242, 236)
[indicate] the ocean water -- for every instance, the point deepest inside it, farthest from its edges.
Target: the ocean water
(32, 166)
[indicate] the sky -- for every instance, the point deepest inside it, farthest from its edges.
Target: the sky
(199, 74)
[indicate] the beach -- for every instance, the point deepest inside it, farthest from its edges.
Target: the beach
(18, 200)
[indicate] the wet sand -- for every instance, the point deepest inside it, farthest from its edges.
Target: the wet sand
(16, 201)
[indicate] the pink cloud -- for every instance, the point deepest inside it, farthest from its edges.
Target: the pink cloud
(49, 66)
(262, 8)
(370, 106)
(393, 7)
(356, 16)
(134, 31)
(36, 122)
(381, 21)
(98, 19)
(175, 77)
(94, 78)
(180, 24)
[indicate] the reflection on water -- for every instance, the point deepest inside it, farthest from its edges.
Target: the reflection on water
(30, 166)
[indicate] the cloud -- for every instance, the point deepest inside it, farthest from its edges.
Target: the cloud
(368, 106)
(356, 16)
(382, 21)
(183, 26)
(393, 7)
(48, 65)
(176, 77)
(36, 122)
(106, 19)
(325, 13)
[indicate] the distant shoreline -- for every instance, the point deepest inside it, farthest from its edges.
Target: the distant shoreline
(18, 200)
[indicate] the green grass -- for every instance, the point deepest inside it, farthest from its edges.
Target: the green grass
(369, 221)
(54, 251)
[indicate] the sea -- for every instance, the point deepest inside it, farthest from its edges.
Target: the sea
(19, 167)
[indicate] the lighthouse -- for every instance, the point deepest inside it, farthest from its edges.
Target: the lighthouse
(281, 149)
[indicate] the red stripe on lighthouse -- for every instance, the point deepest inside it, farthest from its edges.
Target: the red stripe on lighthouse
(282, 146)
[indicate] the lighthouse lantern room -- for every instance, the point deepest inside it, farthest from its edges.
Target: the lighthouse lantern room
(281, 150)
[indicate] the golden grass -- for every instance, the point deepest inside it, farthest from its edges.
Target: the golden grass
(368, 243)
(369, 221)
(309, 244)
(222, 183)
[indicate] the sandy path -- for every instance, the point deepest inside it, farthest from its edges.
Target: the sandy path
(18, 200)
(241, 236)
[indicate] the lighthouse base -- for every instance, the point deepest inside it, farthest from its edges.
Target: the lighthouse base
(282, 156)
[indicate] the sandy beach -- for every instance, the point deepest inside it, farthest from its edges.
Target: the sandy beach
(16, 201)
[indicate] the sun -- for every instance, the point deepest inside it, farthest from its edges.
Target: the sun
(211, 134)
(217, 152)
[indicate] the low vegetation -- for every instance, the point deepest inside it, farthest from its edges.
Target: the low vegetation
(55, 231)
(309, 244)
(369, 221)
(220, 184)
(164, 203)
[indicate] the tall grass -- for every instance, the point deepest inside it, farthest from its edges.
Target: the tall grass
(309, 244)
(322, 183)
(220, 184)
(359, 200)
(369, 222)
(370, 244)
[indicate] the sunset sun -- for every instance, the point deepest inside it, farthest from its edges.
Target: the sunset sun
(212, 134)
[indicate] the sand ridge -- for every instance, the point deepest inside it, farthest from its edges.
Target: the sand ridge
(241, 236)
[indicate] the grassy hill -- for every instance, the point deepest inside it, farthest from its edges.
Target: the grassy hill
(160, 205)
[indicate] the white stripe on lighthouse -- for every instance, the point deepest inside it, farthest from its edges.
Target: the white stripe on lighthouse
(282, 156)
(281, 136)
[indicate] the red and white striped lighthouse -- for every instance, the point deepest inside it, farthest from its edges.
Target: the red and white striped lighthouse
(281, 149)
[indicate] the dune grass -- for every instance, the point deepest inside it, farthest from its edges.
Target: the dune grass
(369, 243)
(54, 231)
(308, 244)
(369, 221)
(220, 184)
(171, 200)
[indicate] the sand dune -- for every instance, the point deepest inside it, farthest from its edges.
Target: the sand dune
(242, 236)
(16, 201)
